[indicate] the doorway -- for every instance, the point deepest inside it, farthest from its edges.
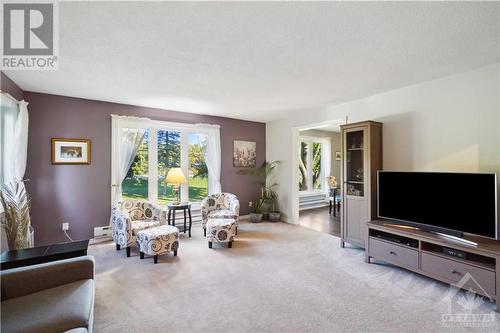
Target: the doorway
(317, 176)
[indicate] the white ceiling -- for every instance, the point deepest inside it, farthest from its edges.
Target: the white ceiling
(261, 61)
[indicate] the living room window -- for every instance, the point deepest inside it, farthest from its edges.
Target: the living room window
(164, 146)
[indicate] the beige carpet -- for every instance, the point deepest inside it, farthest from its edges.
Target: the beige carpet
(276, 278)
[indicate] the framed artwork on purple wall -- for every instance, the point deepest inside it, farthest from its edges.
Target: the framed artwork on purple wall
(244, 153)
(70, 151)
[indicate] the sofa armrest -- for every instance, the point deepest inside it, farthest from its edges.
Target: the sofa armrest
(159, 213)
(30, 279)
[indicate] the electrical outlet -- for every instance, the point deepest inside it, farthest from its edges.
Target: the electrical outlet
(250, 204)
(65, 226)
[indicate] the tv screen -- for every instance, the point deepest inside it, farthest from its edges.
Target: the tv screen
(463, 202)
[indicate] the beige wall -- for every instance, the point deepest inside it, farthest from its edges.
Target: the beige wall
(448, 124)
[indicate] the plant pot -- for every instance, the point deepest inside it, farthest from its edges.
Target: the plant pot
(255, 217)
(274, 217)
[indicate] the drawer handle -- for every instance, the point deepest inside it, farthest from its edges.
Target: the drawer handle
(455, 272)
(393, 253)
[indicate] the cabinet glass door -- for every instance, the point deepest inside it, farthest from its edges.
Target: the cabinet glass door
(354, 172)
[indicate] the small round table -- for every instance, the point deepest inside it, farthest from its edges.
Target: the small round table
(184, 207)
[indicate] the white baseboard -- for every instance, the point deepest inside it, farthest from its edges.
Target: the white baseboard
(99, 240)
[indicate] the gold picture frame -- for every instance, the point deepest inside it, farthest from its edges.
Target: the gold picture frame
(70, 151)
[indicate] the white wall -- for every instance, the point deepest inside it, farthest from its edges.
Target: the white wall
(449, 124)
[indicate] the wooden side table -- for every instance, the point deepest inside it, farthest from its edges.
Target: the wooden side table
(184, 207)
(43, 254)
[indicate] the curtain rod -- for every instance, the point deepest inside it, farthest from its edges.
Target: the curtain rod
(10, 96)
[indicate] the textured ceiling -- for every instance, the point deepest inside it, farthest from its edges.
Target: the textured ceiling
(261, 61)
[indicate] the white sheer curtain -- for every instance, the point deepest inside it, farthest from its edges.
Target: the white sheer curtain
(13, 144)
(20, 149)
(14, 139)
(126, 141)
(212, 151)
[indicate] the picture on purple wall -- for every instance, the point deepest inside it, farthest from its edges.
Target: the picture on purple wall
(70, 151)
(245, 153)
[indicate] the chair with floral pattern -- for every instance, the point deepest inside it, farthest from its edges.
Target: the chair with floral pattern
(131, 216)
(219, 206)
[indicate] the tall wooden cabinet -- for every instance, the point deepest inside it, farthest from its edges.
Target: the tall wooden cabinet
(362, 158)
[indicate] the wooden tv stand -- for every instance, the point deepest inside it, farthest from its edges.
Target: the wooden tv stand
(423, 252)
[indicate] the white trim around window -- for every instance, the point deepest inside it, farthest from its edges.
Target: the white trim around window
(214, 149)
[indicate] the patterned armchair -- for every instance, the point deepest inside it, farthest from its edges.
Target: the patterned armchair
(130, 216)
(219, 206)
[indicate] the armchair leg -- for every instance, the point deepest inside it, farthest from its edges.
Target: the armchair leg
(142, 255)
(175, 253)
(117, 247)
(236, 233)
(156, 259)
(128, 251)
(204, 232)
(230, 244)
(209, 245)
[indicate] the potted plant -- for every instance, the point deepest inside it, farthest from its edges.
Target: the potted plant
(267, 203)
(274, 214)
(256, 214)
(16, 219)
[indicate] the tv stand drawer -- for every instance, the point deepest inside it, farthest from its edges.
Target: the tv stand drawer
(454, 271)
(393, 253)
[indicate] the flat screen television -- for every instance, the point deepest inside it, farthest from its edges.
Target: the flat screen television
(448, 203)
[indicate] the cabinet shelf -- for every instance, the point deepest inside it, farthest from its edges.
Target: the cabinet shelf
(354, 182)
(355, 149)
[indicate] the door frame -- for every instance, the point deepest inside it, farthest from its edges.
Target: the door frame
(295, 160)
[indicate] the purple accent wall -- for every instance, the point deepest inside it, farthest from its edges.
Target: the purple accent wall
(81, 195)
(10, 87)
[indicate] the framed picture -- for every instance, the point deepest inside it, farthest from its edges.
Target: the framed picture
(338, 156)
(70, 151)
(244, 153)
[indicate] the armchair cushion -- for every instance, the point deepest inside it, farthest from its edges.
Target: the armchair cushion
(222, 214)
(139, 225)
(56, 309)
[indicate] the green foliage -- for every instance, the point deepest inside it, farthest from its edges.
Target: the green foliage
(169, 150)
(135, 185)
(197, 165)
(315, 150)
(140, 164)
(261, 176)
(169, 156)
(258, 206)
(137, 188)
(316, 165)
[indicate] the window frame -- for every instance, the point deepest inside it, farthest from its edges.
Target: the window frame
(153, 126)
(325, 143)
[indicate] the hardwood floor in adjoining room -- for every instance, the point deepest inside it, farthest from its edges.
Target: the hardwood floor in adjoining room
(320, 220)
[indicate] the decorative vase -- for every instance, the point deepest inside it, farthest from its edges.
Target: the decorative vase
(274, 216)
(255, 217)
